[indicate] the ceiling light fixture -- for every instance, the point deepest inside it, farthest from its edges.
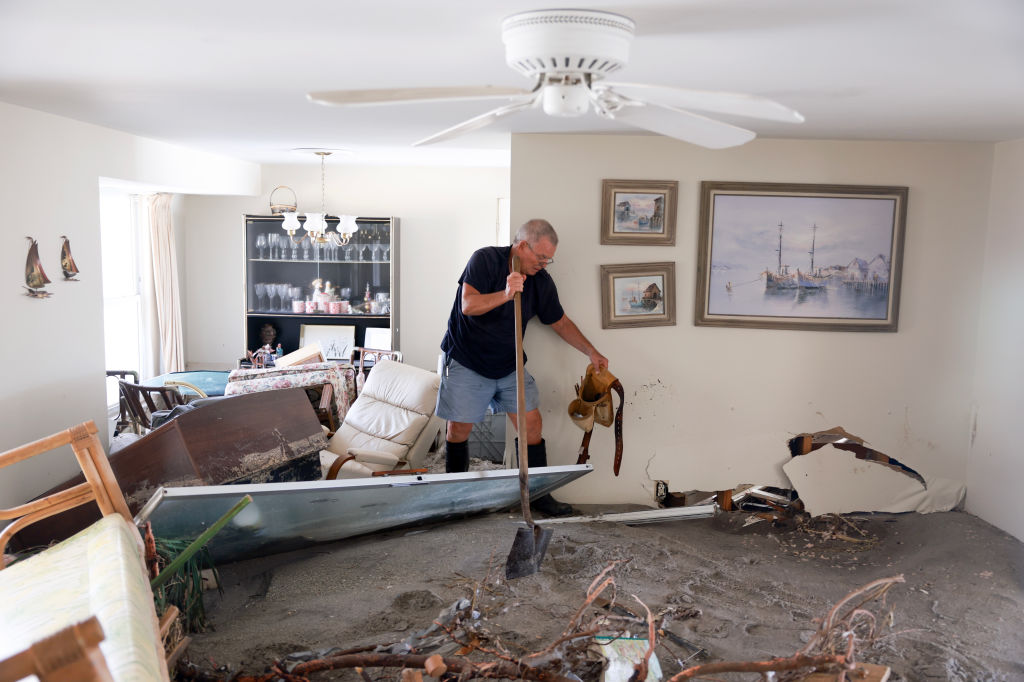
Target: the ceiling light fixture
(316, 223)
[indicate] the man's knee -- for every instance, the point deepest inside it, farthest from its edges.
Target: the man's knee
(458, 431)
(534, 425)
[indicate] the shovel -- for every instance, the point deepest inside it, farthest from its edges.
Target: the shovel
(531, 541)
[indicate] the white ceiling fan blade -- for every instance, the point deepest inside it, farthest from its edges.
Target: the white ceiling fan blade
(480, 121)
(352, 98)
(683, 125)
(752, 106)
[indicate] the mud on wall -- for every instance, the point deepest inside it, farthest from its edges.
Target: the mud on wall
(709, 408)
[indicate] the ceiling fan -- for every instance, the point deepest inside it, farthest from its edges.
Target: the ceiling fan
(569, 53)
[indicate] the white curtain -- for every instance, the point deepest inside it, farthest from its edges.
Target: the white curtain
(149, 327)
(165, 284)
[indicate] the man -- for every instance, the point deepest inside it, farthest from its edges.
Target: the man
(479, 346)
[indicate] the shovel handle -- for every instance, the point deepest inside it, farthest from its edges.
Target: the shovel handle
(524, 475)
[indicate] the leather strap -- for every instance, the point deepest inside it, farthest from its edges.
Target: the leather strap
(584, 455)
(332, 473)
(618, 425)
(584, 446)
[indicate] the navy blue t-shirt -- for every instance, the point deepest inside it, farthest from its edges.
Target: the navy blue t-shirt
(487, 343)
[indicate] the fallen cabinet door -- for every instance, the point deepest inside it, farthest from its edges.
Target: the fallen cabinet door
(286, 516)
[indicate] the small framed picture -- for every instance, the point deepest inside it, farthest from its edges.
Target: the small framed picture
(639, 212)
(638, 295)
(336, 340)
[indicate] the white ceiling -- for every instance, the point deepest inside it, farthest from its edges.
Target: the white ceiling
(230, 76)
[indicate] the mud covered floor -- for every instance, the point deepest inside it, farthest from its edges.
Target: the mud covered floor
(742, 593)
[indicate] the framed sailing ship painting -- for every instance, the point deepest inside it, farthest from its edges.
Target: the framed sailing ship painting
(639, 212)
(638, 295)
(789, 256)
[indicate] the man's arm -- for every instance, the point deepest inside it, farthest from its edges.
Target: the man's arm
(572, 335)
(475, 303)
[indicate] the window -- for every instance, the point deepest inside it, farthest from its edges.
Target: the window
(121, 249)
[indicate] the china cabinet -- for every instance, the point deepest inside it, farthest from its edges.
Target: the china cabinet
(330, 293)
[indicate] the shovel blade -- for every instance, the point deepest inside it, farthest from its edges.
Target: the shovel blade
(528, 551)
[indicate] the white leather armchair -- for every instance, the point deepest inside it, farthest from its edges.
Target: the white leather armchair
(391, 425)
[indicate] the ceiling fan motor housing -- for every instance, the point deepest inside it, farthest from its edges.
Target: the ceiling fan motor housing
(567, 41)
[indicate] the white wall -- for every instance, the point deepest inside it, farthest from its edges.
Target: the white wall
(995, 465)
(444, 215)
(49, 186)
(710, 408)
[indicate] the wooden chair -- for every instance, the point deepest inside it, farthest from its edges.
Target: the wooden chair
(71, 655)
(124, 421)
(100, 485)
(374, 355)
(143, 401)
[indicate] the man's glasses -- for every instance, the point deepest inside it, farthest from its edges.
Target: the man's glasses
(544, 261)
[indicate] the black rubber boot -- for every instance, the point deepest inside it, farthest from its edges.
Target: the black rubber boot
(537, 456)
(456, 457)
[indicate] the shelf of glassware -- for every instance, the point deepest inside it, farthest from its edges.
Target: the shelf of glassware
(360, 280)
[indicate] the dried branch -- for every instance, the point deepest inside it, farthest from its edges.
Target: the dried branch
(776, 664)
(466, 669)
(834, 632)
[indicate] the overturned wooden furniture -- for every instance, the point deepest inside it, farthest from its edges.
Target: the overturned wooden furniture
(99, 572)
(257, 438)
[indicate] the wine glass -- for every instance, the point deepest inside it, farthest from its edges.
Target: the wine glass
(282, 293)
(261, 291)
(385, 241)
(305, 249)
(375, 244)
(271, 292)
(261, 243)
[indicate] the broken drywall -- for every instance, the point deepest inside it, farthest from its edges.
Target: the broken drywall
(834, 481)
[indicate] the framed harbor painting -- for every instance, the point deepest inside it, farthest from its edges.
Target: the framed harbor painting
(639, 212)
(638, 295)
(788, 256)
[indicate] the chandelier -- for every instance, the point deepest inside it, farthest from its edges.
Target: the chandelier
(316, 223)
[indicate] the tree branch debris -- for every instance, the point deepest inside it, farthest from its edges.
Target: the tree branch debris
(443, 650)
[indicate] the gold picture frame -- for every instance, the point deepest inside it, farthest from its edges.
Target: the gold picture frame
(639, 212)
(638, 295)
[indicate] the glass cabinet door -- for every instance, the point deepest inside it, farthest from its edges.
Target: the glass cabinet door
(293, 284)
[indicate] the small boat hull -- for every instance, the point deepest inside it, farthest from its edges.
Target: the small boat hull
(287, 516)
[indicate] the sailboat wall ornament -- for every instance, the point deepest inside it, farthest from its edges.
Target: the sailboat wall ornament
(67, 262)
(35, 277)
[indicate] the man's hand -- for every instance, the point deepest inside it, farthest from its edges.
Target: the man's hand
(514, 284)
(599, 361)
